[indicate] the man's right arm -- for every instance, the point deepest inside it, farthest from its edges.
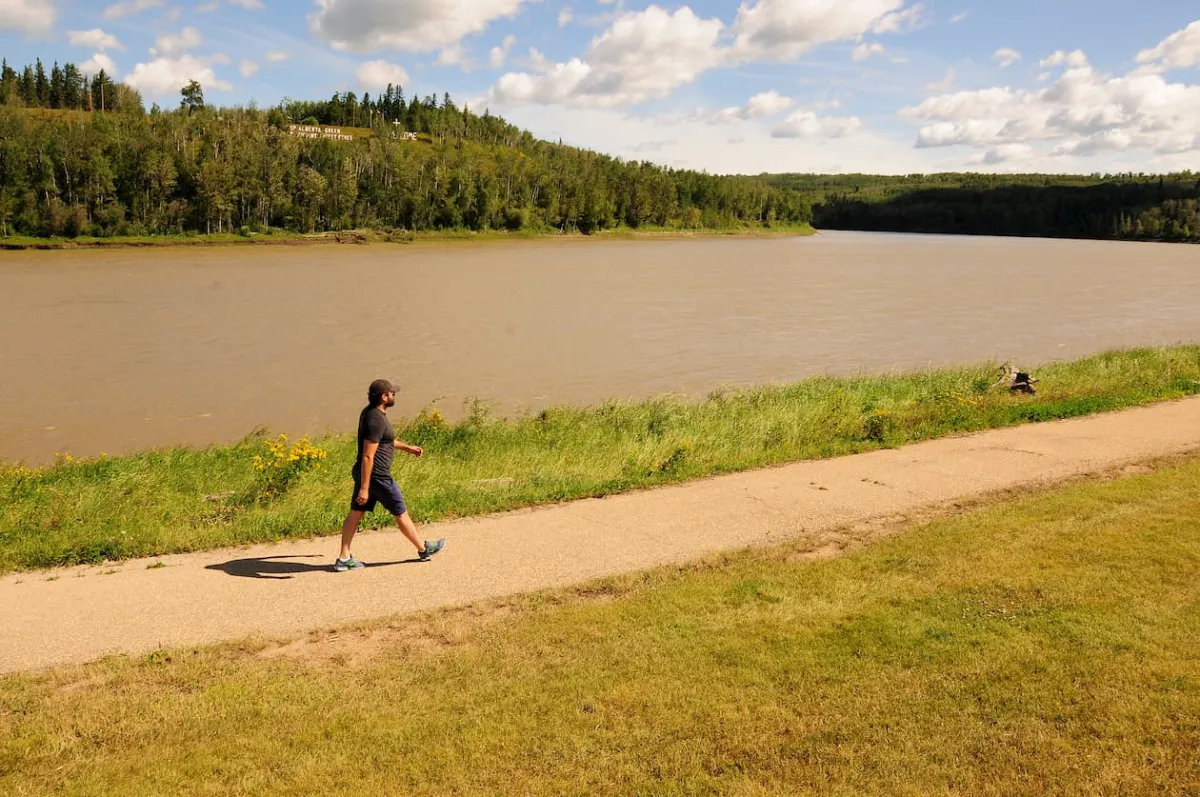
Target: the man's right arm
(368, 460)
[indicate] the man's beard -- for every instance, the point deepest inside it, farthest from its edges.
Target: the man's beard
(389, 402)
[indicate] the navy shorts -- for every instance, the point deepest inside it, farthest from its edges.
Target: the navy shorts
(380, 492)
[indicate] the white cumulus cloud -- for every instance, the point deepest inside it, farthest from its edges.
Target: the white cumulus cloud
(767, 103)
(165, 76)
(412, 26)
(125, 9)
(1006, 57)
(899, 21)
(1082, 113)
(168, 46)
(564, 17)
(648, 54)
(865, 50)
(28, 16)
(97, 62)
(1114, 140)
(454, 55)
(1073, 60)
(781, 30)
(378, 74)
(807, 124)
(277, 56)
(499, 55)
(1178, 51)
(95, 39)
(247, 67)
(644, 55)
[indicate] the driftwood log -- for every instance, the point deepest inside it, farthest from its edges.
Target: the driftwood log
(1015, 380)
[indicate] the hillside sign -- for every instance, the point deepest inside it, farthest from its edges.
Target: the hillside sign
(313, 131)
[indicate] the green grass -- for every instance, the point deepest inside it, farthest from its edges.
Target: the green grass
(367, 236)
(182, 499)
(1047, 645)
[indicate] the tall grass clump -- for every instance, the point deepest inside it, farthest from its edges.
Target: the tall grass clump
(179, 499)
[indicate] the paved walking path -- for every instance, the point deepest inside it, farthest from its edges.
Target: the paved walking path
(287, 589)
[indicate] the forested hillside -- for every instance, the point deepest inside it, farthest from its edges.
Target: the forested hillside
(1147, 207)
(118, 169)
(82, 155)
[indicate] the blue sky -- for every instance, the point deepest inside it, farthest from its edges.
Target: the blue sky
(886, 86)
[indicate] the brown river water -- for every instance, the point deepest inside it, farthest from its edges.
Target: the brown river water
(130, 349)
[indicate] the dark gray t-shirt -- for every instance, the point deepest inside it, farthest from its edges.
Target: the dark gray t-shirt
(373, 425)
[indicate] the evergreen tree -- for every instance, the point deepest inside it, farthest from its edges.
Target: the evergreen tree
(386, 101)
(41, 86)
(57, 87)
(102, 91)
(28, 88)
(8, 83)
(72, 87)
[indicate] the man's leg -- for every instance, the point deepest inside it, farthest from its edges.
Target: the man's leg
(393, 499)
(410, 530)
(388, 493)
(349, 527)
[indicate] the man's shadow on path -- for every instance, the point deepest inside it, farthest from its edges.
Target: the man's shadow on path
(278, 567)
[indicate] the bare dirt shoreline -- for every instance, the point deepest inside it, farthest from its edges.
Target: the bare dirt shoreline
(275, 591)
(364, 237)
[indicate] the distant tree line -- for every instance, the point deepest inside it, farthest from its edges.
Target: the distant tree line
(1123, 206)
(64, 88)
(197, 168)
(80, 155)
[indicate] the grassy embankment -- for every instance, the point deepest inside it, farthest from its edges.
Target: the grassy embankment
(1047, 645)
(367, 236)
(182, 499)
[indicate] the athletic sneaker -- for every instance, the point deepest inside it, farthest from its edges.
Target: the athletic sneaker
(342, 565)
(431, 548)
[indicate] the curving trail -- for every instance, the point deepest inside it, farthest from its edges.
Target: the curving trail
(79, 614)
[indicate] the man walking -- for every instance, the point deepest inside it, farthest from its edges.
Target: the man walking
(373, 482)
